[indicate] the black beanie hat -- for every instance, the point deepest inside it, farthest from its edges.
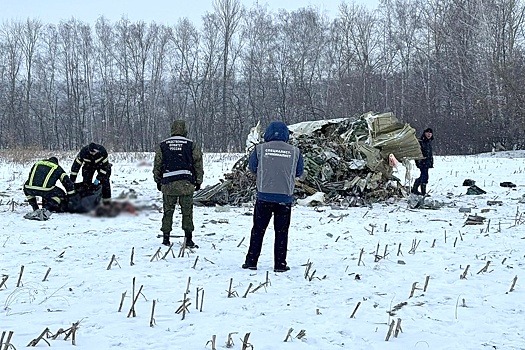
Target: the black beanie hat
(428, 130)
(53, 160)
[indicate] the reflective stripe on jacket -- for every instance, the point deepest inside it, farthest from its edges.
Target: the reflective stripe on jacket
(177, 159)
(44, 175)
(99, 160)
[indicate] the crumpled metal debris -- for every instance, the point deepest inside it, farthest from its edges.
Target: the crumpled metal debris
(311, 201)
(423, 202)
(475, 190)
(348, 159)
(475, 220)
(41, 214)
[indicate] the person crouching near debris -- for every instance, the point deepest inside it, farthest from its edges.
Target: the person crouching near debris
(42, 183)
(276, 165)
(178, 172)
(425, 142)
(93, 158)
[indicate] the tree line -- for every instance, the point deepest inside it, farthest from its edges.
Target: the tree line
(457, 66)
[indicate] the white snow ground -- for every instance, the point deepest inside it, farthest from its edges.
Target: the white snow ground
(477, 312)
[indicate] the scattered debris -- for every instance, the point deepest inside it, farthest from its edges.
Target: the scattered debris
(475, 190)
(349, 160)
(469, 182)
(416, 201)
(41, 214)
(465, 210)
(475, 220)
(507, 184)
(494, 202)
(312, 201)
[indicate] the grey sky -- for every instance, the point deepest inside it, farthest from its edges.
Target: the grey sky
(160, 11)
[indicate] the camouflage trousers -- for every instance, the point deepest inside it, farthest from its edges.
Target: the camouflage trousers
(186, 207)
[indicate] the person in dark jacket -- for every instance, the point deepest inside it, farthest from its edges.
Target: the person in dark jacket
(276, 165)
(178, 172)
(425, 141)
(42, 183)
(93, 158)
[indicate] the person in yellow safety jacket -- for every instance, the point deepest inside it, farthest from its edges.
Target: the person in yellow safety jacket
(91, 158)
(42, 181)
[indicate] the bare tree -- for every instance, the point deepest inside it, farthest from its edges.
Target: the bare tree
(257, 66)
(211, 77)
(12, 132)
(360, 46)
(29, 40)
(228, 13)
(187, 77)
(46, 90)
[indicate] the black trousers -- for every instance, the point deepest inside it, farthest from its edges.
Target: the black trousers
(54, 200)
(87, 177)
(281, 223)
(423, 177)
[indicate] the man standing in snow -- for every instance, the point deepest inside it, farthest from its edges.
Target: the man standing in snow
(276, 164)
(42, 183)
(91, 158)
(425, 141)
(178, 172)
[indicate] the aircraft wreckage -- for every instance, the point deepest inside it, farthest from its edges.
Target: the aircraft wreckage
(348, 162)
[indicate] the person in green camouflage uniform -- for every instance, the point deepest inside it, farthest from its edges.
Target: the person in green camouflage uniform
(178, 172)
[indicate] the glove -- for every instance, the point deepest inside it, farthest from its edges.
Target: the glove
(73, 178)
(159, 186)
(197, 187)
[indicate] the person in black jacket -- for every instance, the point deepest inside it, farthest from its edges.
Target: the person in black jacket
(425, 141)
(91, 158)
(42, 183)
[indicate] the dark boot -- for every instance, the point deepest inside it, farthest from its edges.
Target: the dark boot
(249, 267)
(166, 238)
(189, 240)
(423, 189)
(33, 203)
(281, 268)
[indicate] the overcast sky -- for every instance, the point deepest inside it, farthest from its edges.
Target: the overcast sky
(160, 11)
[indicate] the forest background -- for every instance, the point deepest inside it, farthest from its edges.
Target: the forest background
(455, 65)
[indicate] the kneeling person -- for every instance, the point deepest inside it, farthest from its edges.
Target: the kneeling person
(42, 183)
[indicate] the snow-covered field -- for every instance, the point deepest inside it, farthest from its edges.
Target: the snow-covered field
(476, 312)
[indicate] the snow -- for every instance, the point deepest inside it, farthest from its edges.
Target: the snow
(477, 312)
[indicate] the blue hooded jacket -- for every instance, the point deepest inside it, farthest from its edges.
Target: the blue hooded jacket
(275, 183)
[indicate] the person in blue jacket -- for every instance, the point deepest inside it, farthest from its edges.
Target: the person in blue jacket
(276, 164)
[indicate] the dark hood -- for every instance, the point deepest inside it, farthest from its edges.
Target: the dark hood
(423, 138)
(178, 128)
(277, 131)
